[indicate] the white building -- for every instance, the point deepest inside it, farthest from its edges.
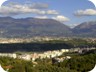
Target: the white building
(25, 57)
(8, 55)
(64, 50)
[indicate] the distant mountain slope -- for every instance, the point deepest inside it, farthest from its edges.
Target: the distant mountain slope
(86, 29)
(28, 27)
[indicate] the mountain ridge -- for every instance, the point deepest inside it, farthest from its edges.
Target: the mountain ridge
(29, 27)
(86, 28)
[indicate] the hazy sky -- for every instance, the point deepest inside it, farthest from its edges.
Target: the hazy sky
(70, 12)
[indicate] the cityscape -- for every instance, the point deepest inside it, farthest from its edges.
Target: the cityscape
(47, 36)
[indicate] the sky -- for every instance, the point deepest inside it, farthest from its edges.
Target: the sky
(69, 12)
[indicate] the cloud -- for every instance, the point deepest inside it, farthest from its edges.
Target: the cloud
(39, 5)
(16, 9)
(40, 10)
(31, 5)
(87, 12)
(61, 18)
(42, 17)
(52, 12)
(72, 25)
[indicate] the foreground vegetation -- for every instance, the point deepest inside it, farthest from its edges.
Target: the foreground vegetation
(78, 63)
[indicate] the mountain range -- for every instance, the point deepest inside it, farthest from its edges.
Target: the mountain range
(29, 27)
(86, 29)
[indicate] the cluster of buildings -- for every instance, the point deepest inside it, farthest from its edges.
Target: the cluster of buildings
(33, 39)
(81, 50)
(12, 55)
(47, 54)
(56, 60)
(34, 56)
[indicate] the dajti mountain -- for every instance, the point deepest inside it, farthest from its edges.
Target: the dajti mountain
(29, 27)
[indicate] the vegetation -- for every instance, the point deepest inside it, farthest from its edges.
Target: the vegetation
(78, 63)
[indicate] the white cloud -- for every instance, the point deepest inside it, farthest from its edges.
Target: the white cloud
(16, 9)
(87, 12)
(31, 5)
(52, 12)
(61, 18)
(39, 5)
(42, 17)
(72, 25)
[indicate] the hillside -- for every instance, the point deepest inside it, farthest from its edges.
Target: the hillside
(28, 27)
(86, 29)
